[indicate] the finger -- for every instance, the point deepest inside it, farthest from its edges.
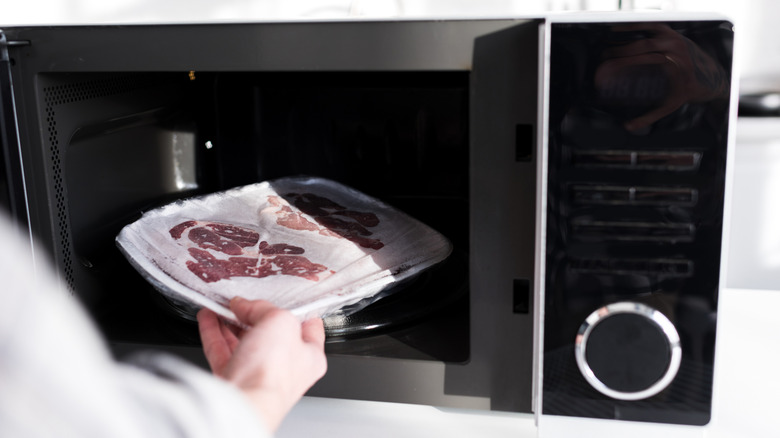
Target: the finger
(231, 333)
(215, 347)
(208, 323)
(313, 332)
(251, 312)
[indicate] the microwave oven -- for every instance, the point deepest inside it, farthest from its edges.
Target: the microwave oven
(577, 163)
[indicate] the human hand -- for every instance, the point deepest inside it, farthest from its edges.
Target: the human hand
(274, 362)
(693, 76)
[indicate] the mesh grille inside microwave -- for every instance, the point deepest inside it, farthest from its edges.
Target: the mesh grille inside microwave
(59, 97)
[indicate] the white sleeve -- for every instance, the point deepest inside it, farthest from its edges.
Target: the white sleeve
(57, 377)
(185, 400)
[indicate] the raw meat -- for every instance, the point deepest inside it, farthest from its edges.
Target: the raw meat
(323, 210)
(265, 260)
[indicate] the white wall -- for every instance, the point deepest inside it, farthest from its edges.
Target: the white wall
(80, 11)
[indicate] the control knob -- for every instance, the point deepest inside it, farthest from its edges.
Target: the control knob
(628, 350)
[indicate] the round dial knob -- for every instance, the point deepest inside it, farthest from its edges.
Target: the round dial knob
(628, 351)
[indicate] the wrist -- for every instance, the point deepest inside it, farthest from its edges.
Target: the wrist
(271, 406)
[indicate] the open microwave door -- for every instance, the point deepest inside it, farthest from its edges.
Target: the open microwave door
(12, 193)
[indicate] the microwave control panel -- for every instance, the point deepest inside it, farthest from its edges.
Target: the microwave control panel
(638, 129)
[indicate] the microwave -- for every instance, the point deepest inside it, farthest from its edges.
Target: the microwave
(577, 163)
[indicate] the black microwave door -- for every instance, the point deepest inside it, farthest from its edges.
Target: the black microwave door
(11, 182)
(638, 147)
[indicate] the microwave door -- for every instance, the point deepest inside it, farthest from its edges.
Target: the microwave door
(12, 191)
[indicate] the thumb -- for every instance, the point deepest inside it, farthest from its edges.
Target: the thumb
(251, 312)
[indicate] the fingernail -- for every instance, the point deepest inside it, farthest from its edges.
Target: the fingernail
(237, 300)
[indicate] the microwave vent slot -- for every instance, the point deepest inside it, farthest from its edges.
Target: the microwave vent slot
(70, 92)
(628, 195)
(663, 267)
(637, 160)
(625, 231)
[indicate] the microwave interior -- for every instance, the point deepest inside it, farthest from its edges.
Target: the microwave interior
(399, 137)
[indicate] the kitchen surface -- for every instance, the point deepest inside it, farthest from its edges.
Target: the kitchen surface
(746, 382)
